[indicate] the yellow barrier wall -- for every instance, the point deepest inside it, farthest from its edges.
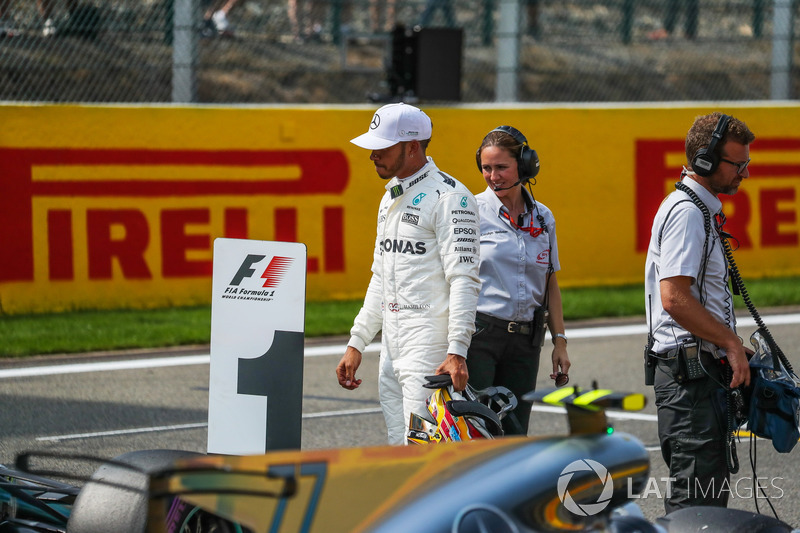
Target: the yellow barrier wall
(111, 206)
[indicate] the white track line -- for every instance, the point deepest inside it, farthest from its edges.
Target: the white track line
(117, 432)
(104, 366)
(318, 351)
(198, 425)
(322, 414)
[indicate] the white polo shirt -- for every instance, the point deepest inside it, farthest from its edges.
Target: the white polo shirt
(514, 262)
(683, 252)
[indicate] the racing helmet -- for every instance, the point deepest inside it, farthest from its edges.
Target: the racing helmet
(452, 417)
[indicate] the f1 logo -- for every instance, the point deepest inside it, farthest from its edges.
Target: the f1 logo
(272, 274)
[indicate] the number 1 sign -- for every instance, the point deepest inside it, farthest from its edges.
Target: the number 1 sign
(257, 332)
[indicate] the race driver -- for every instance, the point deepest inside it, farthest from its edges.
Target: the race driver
(424, 286)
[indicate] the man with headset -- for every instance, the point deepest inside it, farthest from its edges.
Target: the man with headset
(424, 285)
(694, 354)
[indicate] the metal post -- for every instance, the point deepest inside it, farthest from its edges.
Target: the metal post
(487, 25)
(781, 50)
(508, 51)
(184, 52)
(692, 17)
(336, 21)
(627, 21)
(169, 21)
(671, 17)
(758, 18)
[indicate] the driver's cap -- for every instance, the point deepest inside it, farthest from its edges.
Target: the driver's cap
(394, 123)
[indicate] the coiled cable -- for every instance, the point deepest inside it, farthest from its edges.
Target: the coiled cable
(731, 456)
(736, 278)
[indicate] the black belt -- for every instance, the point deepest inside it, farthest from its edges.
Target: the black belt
(673, 353)
(523, 328)
(670, 361)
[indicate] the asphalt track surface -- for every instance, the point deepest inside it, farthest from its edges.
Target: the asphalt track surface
(104, 405)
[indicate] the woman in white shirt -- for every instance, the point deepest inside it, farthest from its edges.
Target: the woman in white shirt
(519, 293)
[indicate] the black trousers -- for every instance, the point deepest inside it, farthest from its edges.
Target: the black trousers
(692, 429)
(499, 358)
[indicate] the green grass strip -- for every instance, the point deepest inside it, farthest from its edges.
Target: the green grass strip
(88, 331)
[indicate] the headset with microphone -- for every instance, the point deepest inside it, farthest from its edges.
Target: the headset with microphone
(706, 160)
(527, 162)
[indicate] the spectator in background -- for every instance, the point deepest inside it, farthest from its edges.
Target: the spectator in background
(306, 19)
(375, 15)
(215, 19)
(692, 13)
(46, 8)
(6, 24)
(377, 24)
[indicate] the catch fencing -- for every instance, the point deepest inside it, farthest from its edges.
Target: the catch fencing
(348, 51)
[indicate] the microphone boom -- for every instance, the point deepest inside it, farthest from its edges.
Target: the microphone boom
(509, 187)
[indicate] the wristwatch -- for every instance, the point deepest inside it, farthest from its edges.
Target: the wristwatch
(561, 335)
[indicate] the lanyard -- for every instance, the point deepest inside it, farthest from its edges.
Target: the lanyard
(533, 230)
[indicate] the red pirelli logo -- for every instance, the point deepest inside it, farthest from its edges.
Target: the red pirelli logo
(771, 189)
(123, 234)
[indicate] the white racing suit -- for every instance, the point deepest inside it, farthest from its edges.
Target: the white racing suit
(424, 288)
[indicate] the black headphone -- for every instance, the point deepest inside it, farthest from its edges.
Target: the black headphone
(527, 162)
(705, 160)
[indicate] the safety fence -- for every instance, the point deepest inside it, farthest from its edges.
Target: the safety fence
(348, 51)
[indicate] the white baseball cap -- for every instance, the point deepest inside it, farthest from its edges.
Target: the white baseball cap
(394, 123)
